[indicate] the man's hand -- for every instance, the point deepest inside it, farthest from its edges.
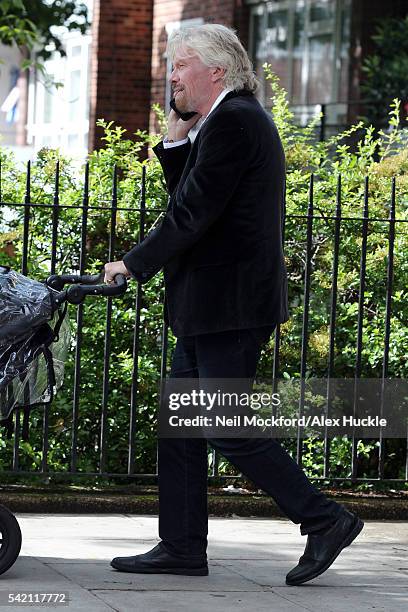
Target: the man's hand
(113, 268)
(179, 129)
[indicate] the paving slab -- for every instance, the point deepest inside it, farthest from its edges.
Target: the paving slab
(29, 575)
(344, 571)
(167, 601)
(249, 559)
(101, 576)
(345, 599)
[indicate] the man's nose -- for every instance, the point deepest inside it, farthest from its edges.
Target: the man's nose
(173, 76)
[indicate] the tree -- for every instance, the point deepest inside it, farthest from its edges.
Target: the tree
(386, 70)
(30, 24)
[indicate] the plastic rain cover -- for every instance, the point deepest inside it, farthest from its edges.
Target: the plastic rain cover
(24, 305)
(26, 327)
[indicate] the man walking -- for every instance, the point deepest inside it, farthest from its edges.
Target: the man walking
(220, 244)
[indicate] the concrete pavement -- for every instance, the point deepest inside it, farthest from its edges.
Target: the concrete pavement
(248, 559)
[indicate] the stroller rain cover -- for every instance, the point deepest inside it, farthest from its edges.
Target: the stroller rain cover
(34, 339)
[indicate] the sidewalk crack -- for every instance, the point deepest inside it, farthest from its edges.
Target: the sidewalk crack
(266, 586)
(74, 584)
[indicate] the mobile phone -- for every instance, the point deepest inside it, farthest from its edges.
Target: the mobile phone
(183, 116)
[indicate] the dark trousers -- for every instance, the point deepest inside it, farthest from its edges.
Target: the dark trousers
(183, 519)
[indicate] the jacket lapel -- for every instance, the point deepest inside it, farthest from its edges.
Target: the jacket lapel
(194, 149)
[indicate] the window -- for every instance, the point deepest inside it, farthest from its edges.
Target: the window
(306, 42)
(49, 94)
(74, 94)
(73, 140)
(58, 115)
(76, 51)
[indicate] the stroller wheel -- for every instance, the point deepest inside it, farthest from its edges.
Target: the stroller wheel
(10, 539)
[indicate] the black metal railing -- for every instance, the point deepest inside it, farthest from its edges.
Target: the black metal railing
(338, 219)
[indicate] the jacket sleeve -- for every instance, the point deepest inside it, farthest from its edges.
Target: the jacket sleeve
(172, 161)
(221, 161)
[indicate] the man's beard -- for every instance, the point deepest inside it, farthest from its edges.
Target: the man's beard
(182, 102)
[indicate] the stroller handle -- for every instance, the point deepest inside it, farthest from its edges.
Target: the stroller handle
(83, 285)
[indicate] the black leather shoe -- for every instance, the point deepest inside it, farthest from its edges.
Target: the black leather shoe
(159, 561)
(322, 549)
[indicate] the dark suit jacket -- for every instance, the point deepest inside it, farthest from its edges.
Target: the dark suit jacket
(220, 242)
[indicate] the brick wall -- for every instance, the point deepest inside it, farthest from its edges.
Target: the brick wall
(120, 64)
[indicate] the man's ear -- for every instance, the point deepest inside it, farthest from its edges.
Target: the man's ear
(217, 73)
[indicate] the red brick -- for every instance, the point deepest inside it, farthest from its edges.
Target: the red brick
(128, 68)
(121, 64)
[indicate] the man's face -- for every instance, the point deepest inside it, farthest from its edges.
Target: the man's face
(192, 82)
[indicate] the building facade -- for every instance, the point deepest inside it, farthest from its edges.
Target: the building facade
(10, 96)
(120, 68)
(316, 47)
(58, 102)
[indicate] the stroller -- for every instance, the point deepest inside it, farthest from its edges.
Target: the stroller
(34, 343)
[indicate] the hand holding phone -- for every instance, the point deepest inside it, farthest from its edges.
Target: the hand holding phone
(183, 116)
(179, 123)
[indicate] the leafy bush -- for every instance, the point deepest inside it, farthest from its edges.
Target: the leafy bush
(385, 70)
